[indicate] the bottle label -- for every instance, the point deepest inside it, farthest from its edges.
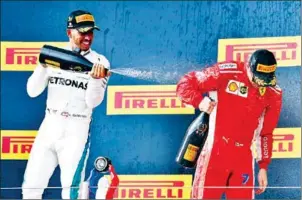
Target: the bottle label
(191, 152)
(52, 63)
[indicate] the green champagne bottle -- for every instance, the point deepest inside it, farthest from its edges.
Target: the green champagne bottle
(193, 141)
(64, 59)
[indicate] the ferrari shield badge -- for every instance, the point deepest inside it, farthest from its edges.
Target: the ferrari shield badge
(262, 90)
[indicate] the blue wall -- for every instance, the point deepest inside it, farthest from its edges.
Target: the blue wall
(155, 35)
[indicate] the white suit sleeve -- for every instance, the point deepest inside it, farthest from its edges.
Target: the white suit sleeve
(37, 82)
(95, 91)
(96, 87)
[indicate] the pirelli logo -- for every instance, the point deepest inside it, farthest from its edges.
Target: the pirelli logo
(286, 49)
(84, 18)
(154, 187)
(153, 99)
(22, 56)
(16, 145)
(287, 143)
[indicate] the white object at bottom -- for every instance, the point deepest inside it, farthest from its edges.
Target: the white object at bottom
(103, 186)
(84, 190)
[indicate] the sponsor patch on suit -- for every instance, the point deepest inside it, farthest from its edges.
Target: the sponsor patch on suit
(262, 90)
(237, 88)
(228, 66)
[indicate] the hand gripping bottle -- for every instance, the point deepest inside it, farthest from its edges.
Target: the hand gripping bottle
(193, 141)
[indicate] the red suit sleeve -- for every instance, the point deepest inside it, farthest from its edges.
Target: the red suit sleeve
(192, 85)
(270, 121)
(114, 183)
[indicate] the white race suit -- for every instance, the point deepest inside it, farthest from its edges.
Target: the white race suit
(63, 137)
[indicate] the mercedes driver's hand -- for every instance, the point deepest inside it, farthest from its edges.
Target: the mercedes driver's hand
(99, 71)
(262, 180)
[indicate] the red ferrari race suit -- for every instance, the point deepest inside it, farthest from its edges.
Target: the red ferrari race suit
(243, 114)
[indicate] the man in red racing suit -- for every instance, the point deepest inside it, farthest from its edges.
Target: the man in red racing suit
(246, 109)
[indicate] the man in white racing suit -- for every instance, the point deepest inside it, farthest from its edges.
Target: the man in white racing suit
(63, 137)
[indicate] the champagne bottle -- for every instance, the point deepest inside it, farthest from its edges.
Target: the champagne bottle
(64, 59)
(193, 141)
